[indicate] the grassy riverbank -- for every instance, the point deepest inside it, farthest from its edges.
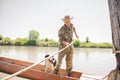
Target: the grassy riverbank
(52, 43)
(34, 40)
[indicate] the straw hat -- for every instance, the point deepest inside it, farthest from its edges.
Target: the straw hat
(67, 17)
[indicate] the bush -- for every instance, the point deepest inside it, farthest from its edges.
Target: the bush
(76, 43)
(31, 43)
(104, 45)
(20, 41)
(7, 41)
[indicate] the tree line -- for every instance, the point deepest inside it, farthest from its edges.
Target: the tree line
(34, 40)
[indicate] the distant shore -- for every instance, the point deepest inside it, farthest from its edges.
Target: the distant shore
(55, 44)
(34, 40)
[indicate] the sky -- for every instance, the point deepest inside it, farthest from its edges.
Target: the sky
(90, 18)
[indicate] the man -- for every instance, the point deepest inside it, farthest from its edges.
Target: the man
(65, 35)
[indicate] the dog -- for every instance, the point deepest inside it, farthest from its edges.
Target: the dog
(49, 64)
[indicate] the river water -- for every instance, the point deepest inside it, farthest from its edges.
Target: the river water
(88, 60)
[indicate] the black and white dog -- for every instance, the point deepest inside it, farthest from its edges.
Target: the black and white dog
(49, 64)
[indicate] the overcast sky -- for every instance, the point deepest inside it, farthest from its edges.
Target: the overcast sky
(91, 18)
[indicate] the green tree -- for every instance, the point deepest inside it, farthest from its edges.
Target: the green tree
(87, 40)
(46, 42)
(46, 39)
(33, 35)
(76, 43)
(7, 41)
(20, 41)
(1, 38)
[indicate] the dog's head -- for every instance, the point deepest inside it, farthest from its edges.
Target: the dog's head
(47, 55)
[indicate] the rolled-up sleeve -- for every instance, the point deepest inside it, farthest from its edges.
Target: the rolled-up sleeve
(73, 28)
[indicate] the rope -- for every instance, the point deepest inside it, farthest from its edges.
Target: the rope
(117, 51)
(23, 70)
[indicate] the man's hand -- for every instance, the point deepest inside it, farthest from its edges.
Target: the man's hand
(66, 43)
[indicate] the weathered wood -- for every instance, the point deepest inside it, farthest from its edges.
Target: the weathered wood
(34, 73)
(114, 9)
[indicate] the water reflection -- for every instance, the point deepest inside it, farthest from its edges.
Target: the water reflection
(89, 60)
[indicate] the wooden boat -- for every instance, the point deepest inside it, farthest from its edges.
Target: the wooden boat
(37, 72)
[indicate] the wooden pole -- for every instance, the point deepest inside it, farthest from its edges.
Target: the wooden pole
(114, 9)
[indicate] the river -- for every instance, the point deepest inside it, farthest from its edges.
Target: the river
(98, 61)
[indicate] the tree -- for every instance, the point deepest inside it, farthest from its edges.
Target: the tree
(33, 35)
(7, 41)
(20, 41)
(87, 40)
(46, 42)
(1, 38)
(77, 43)
(46, 39)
